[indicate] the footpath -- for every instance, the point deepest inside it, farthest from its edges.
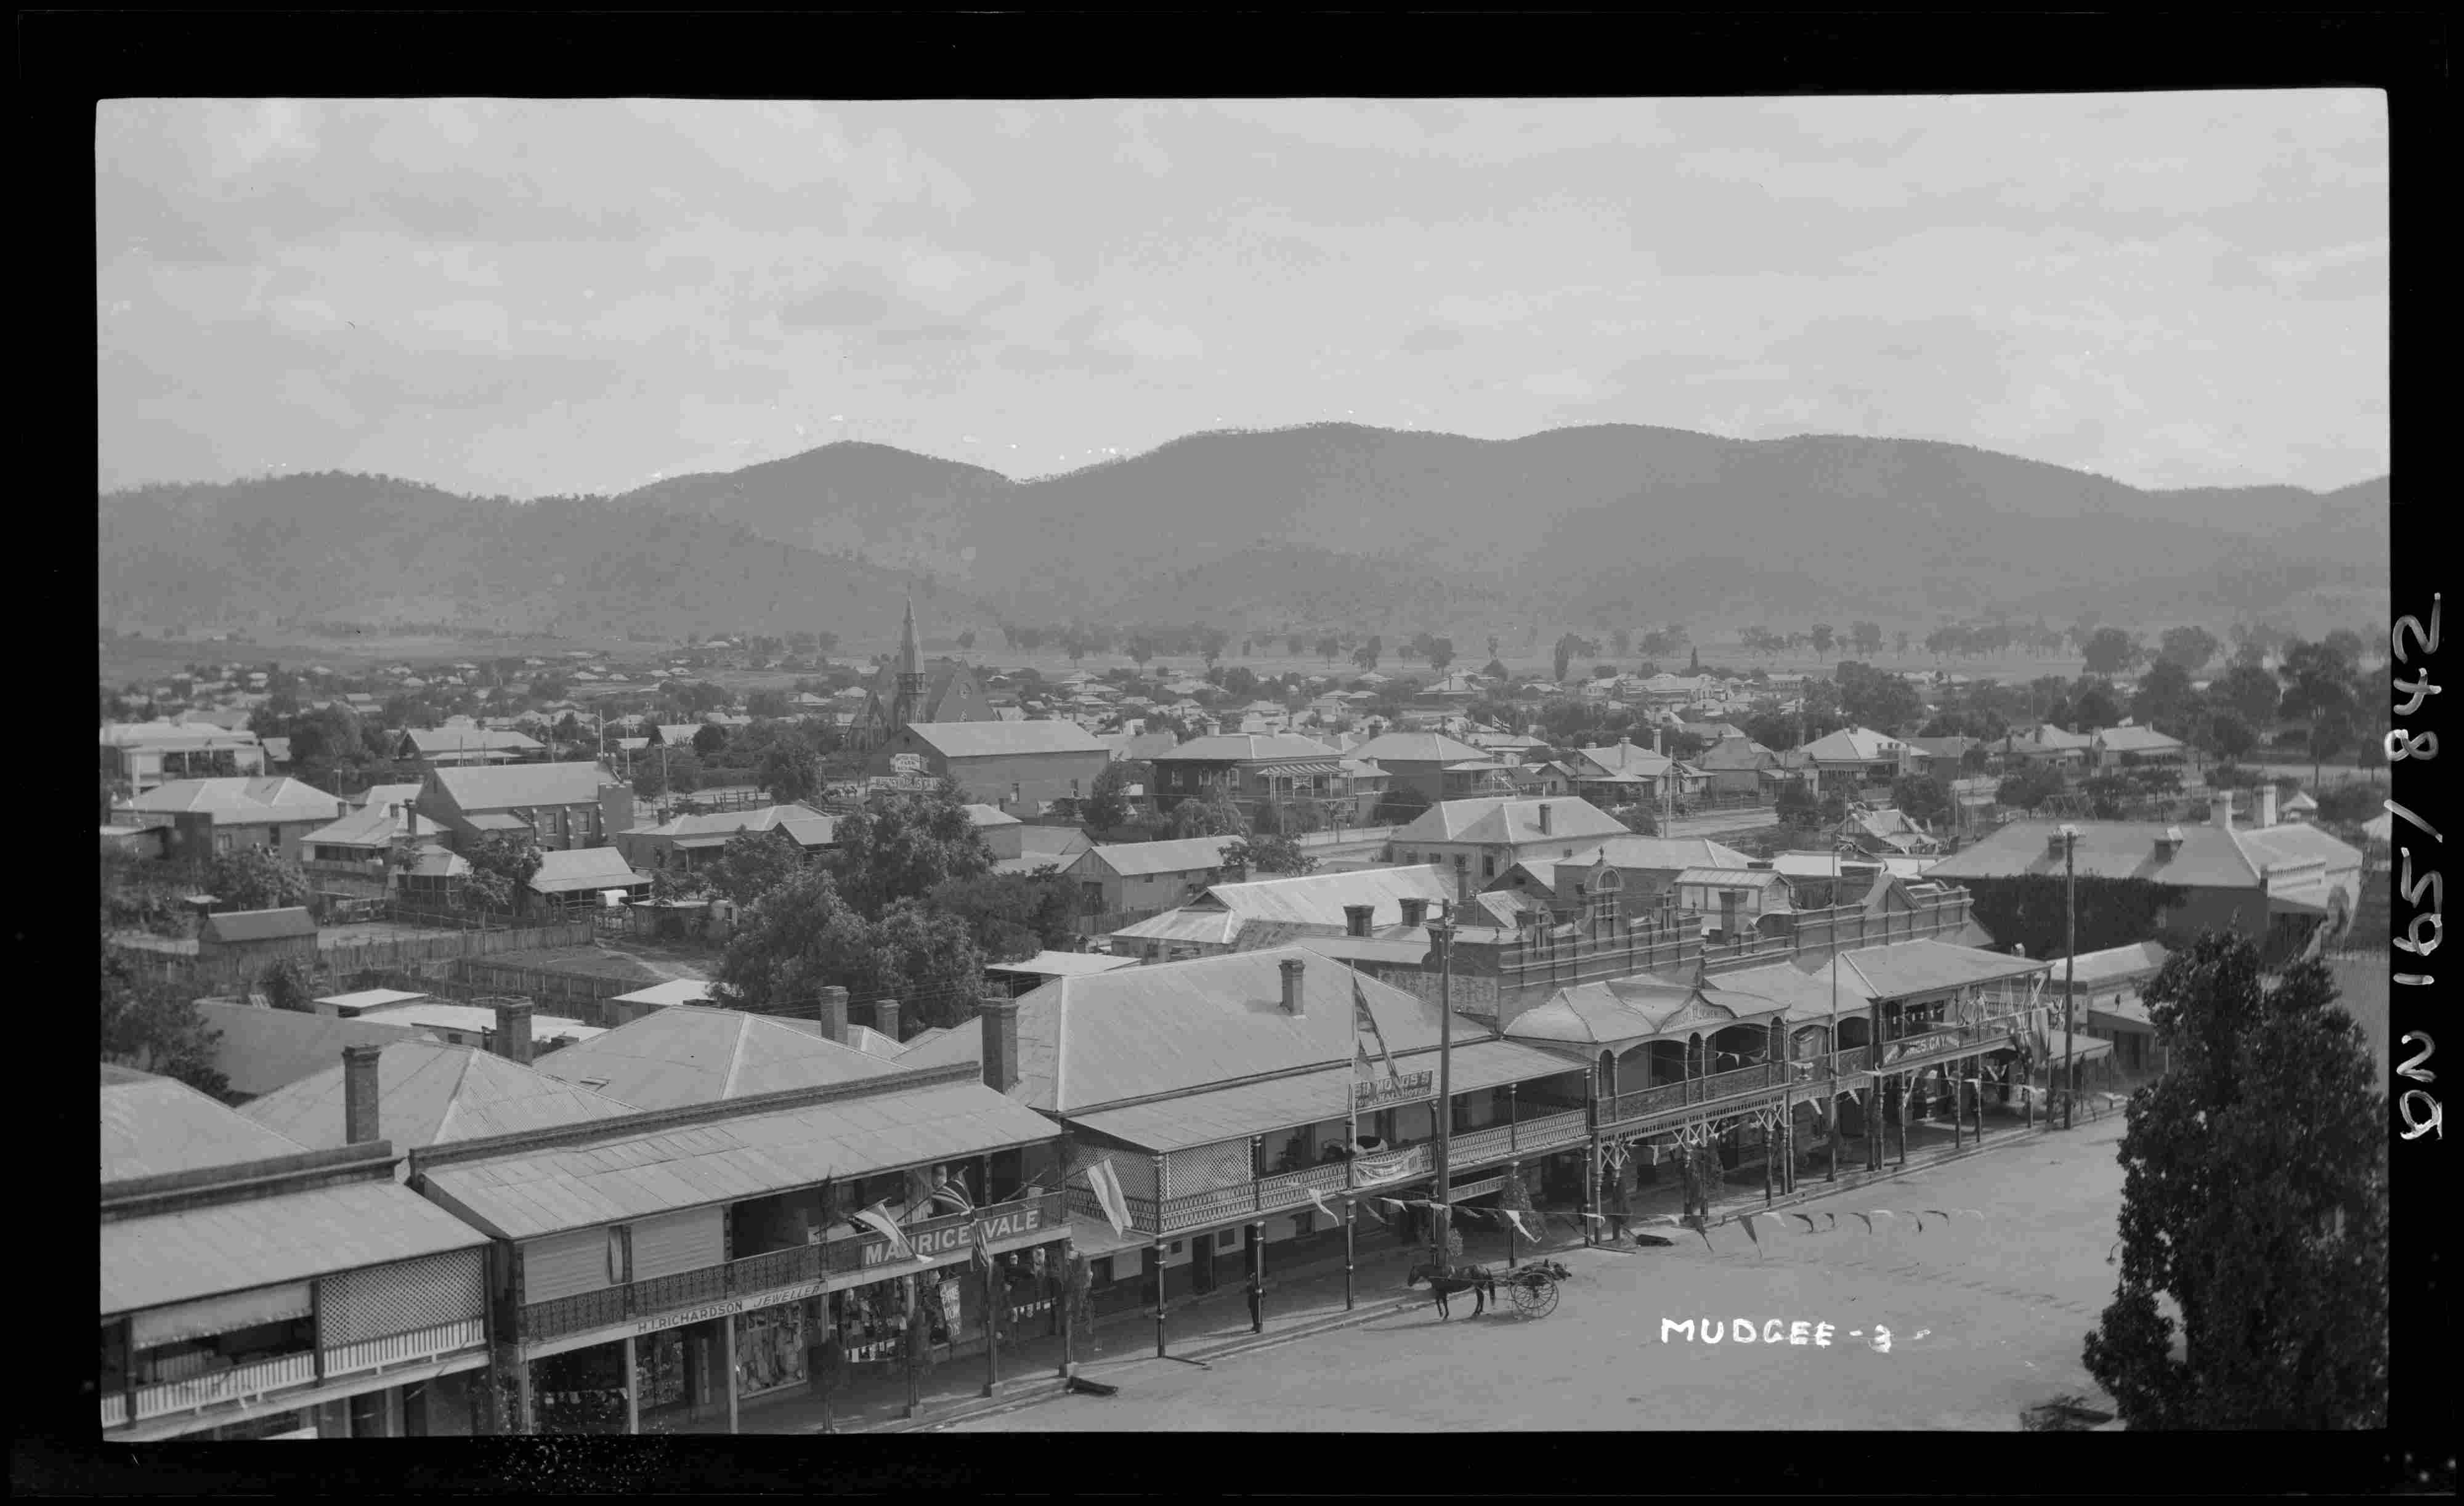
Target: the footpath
(1302, 1301)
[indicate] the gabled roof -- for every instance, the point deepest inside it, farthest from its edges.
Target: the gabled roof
(260, 1050)
(1570, 820)
(522, 786)
(1418, 748)
(1137, 859)
(1733, 878)
(1627, 1010)
(173, 734)
(2136, 739)
(665, 996)
(1736, 752)
(566, 870)
(2209, 857)
(2095, 968)
(2047, 735)
(808, 826)
(431, 741)
(1905, 968)
(689, 1054)
(1234, 748)
(1853, 745)
(996, 740)
(1176, 1027)
(1321, 897)
(377, 796)
(230, 926)
(992, 815)
(2295, 842)
(153, 1126)
(1799, 996)
(1062, 963)
(241, 800)
(1622, 758)
(371, 826)
(429, 1093)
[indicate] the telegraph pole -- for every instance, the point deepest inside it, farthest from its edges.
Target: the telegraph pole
(2070, 962)
(1444, 932)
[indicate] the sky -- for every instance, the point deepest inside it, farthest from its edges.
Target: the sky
(527, 298)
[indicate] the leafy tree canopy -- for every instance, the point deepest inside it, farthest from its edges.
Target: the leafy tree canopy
(255, 878)
(152, 1025)
(903, 846)
(1280, 856)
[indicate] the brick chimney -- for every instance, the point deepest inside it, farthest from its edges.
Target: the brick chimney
(1416, 912)
(2267, 804)
(885, 1017)
(1355, 919)
(1731, 907)
(1542, 816)
(1292, 1005)
(1001, 1041)
(359, 1094)
(513, 1031)
(2220, 810)
(834, 1013)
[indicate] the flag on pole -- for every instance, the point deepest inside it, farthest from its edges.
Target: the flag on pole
(950, 1191)
(981, 1253)
(1320, 1203)
(1106, 1184)
(879, 1223)
(1366, 1023)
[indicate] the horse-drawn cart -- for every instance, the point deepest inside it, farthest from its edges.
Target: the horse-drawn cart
(1533, 1288)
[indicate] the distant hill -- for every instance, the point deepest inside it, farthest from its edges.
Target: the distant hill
(1333, 525)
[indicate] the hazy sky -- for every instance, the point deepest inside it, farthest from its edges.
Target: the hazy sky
(500, 295)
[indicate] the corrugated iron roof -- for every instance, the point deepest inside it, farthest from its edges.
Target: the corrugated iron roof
(153, 1126)
(994, 739)
(1231, 1113)
(1905, 968)
(233, 1247)
(1320, 898)
(470, 739)
(2209, 856)
(564, 871)
(241, 801)
(1140, 859)
(263, 1049)
(1626, 1010)
(2097, 968)
(1062, 963)
(675, 990)
(429, 1093)
(524, 785)
(687, 1054)
(232, 926)
(1418, 748)
(1244, 747)
(526, 1195)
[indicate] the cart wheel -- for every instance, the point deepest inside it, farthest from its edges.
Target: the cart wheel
(1536, 1297)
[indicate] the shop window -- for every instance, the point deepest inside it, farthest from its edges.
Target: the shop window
(1099, 1273)
(1304, 1224)
(1226, 1238)
(1173, 1247)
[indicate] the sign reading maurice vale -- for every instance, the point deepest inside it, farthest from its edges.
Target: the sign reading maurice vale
(954, 1235)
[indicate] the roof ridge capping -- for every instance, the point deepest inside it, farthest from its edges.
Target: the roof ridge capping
(425, 1158)
(132, 1197)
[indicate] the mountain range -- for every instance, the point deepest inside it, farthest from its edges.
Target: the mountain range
(1330, 525)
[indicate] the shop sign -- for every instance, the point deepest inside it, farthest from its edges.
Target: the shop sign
(1918, 1046)
(955, 1236)
(1408, 1088)
(688, 1316)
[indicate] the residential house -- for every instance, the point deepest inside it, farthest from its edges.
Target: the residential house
(558, 805)
(253, 1288)
(1618, 774)
(1741, 766)
(459, 747)
(1435, 766)
(2285, 888)
(1946, 757)
(1140, 878)
(148, 754)
(1285, 768)
(1857, 757)
(690, 842)
(1021, 767)
(2048, 744)
(1398, 902)
(259, 1048)
(1482, 839)
(1035, 846)
(1644, 869)
(686, 1053)
(356, 855)
(2133, 747)
(1885, 830)
(581, 877)
(208, 817)
(1223, 1092)
(999, 829)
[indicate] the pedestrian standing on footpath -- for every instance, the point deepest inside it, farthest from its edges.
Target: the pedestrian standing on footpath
(825, 1365)
(920, 1355)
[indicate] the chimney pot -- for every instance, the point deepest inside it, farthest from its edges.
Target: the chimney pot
(834, 1013)
(1293, 986)
(1355, 919)
(360, 1088)
(2267, 804)
(1543, 818)
(513, 1031)
(885, 1017)
(1416, 912)
(1000, 1014)
(2220, 810)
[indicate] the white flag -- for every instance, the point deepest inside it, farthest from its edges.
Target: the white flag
(1107, 1187)
(1321, 1204)
(1517, 1217)
(873, 1219)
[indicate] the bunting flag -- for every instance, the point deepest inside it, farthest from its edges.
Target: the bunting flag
(1361, 1061)
(1528, 1233)
(1705, 1230)
(1867, 1219)
(1367, 1024)
(879, 1223)
(1367, 1204)
(1106, 1184)
(1809, 1220)
(1747, 1220)
(1319, 1202)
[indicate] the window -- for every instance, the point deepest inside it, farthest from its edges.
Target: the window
(1173, 1248)
(1013, 792)
(1224, 1238)
(1073, 788)
(1489, 866)
(1303, 1224)
(1099, 1273)
(1411, 857)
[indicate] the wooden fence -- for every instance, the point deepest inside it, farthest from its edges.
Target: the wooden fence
(222, 973)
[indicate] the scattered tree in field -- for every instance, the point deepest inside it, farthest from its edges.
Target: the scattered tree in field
(2190, 646)
(2318, 689)
(255, 878)
(1821, 634)
(1440, 652)
(2281, 1275)
(1328, 647)
(152, 1025)
(2109, 650)
(1900, 643)
(1366, 655)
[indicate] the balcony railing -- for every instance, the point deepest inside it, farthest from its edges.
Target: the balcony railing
(224, 1385)
(747, 1275)
(114, 1409)
(426, 1343)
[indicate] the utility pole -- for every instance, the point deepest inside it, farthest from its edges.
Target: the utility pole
(2070, 962)
(1444, 934)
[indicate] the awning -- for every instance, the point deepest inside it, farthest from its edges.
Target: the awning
(221, 1315)
(1277, 771)
(1094, 1237)
(497, 822)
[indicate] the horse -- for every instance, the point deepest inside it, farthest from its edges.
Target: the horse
(1445, 1281)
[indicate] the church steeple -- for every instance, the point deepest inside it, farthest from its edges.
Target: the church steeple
(908, 703)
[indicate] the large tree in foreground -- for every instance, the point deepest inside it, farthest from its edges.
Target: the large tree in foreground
(2255, 1201)
(152, 1024)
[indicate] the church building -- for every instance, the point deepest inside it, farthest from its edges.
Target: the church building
(910, 693)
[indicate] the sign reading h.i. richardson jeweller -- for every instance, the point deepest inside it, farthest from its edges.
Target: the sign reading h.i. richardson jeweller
(1405, 1089)
(944, 1237)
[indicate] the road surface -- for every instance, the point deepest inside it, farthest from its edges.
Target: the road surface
(1986, 1318)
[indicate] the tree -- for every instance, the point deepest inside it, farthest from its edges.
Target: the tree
(1867, 636)
(1796, 805)
(790, 771)
(152, 1025)
(2092, 705)
(753, 863)
(1621, 643)
(1821, 634)
(1900, 643)
(2319, 690)
(1010, 916)
(1495, 670)
(501, 868)
(1440, 653)
(1140, 648)
(255, 878)
(1268, 854)
(905, 846)
(2165, 699)
(1493, 642)
(1400, 804)
(1922, 799)
(1328, 647)
(711, 740)
(1870, 697)
(1640, 819)
(1366, 655)
(2229, 735)
(2247, 692)
(803, 937)
(2030, 789)
(2188, 647)
(2281, 1279)
(1108, 803)
(2109, 650)
(1211, 815)
(288, 985)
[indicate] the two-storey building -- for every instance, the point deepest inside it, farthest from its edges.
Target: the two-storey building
(1255, 769)
(1480, 839)
(558, 805)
